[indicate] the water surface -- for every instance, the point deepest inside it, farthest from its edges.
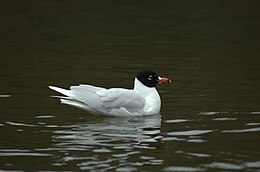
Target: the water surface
(210, 114)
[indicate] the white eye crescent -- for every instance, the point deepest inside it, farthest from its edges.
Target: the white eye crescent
(150, 77)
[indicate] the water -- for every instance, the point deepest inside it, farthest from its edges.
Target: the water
(210, 114)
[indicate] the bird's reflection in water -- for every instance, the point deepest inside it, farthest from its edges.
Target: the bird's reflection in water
(115, 138)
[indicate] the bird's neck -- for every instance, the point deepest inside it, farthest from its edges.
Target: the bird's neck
(151, 96)
(140, 87)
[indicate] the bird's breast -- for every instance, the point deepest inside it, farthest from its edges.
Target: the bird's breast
(152, 103)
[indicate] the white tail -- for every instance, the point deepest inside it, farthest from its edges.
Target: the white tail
(61, 90)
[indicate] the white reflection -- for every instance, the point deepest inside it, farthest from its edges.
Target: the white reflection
(189, 133)
(120, 133)
(116, 139)
(231, 166)
(19, 152)
(183, 169)
(4, 95)
(242, 130)
(224, 119)
(234, 113)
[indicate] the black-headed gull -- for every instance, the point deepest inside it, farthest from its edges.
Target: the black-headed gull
(142, 100)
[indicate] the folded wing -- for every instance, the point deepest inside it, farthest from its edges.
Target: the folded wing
(114, 102)
(117, 98)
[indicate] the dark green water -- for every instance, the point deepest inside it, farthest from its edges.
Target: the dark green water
(210, 119)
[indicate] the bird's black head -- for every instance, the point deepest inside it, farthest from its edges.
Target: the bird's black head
(148, 78)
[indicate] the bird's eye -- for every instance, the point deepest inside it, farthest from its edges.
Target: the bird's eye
(150, 77)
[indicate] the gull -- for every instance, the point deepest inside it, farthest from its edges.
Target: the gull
(142, 100)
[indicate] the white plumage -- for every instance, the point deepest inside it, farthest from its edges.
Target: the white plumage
(142, 100)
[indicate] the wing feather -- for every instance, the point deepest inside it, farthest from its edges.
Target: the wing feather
(121, 98)
(100, 100)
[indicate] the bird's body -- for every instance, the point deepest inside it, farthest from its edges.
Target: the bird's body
(142, 100)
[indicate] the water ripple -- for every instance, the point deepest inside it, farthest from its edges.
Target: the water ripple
(252, 123)
(5, 95)
(44, 116)
(117, 139)
(176, 120)
(17, 152)
(225, 119)
(231, 166)
(224, 166)
(20, 124)
(242, 130)
(209, 113)
(234, 113)
(200, 155)
(189, 133)
(182, 169)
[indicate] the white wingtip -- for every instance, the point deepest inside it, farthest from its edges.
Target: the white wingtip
(52, 87)
(61, 90)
